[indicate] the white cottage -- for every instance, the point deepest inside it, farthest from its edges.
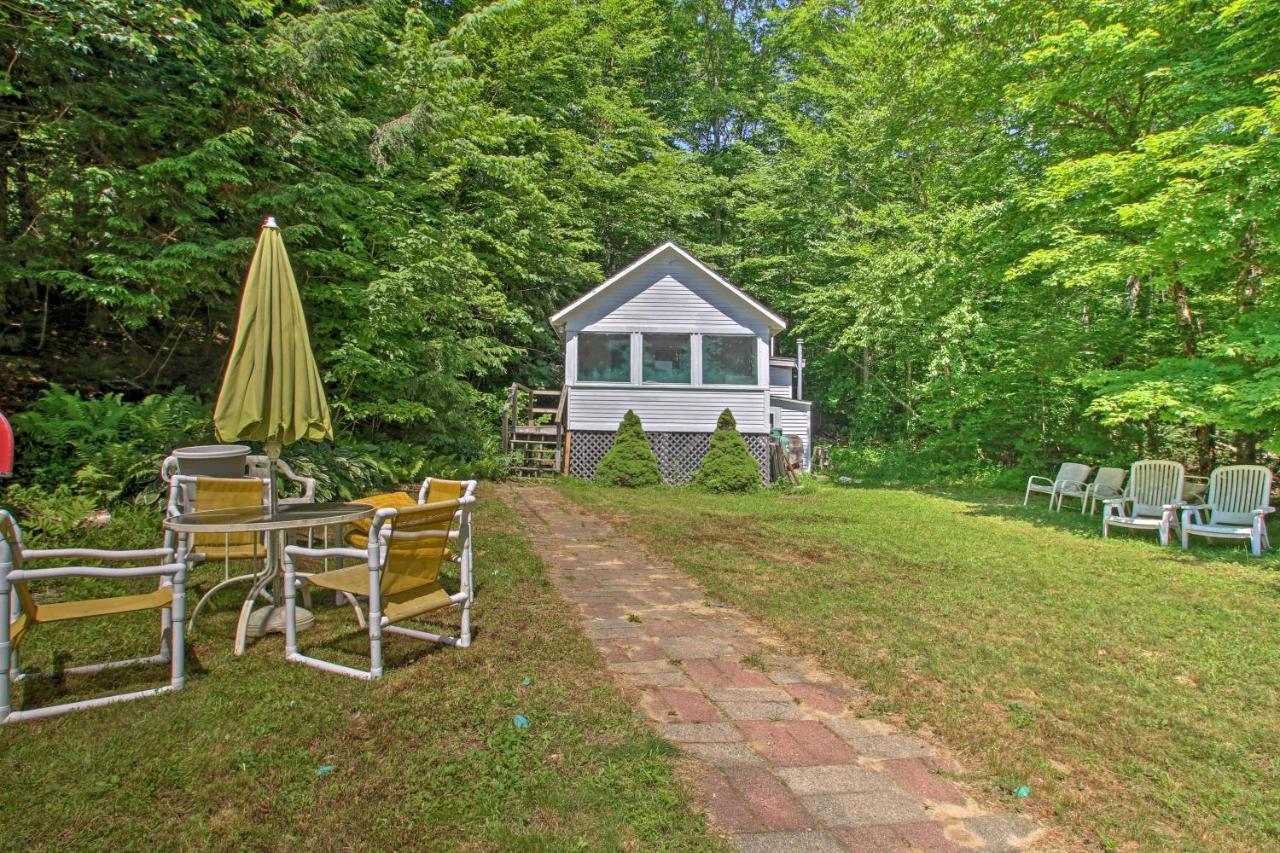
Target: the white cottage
(677, 343)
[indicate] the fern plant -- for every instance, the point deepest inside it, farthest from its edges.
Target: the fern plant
(107, 448)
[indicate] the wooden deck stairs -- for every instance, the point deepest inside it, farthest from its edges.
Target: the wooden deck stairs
(533, 430)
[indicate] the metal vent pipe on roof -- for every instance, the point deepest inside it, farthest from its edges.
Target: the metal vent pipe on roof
(799, 368)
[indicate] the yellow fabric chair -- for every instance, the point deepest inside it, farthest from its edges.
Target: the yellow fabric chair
(169, 598)
(203, 494)
(400, 577)
(433, 489)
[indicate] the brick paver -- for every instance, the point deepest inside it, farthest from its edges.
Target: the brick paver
(788, 762)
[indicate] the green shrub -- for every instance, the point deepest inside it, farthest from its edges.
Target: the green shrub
(353, 469)
(48, 516)
(728, 465)
(630, 462)
(106, 449)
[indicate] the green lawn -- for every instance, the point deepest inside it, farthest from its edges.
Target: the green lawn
(1135, 689)
(426, 758)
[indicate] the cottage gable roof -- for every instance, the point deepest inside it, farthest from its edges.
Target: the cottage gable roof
(558, 320)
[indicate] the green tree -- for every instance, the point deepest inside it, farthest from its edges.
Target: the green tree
(630, 461)
(728, 465)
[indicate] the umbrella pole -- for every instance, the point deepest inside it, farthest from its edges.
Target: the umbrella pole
(270, 620)
(272, 447)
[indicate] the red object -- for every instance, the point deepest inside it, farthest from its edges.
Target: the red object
(6, 447)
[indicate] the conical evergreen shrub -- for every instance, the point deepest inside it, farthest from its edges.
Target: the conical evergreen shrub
(728, 465)
(630, 462)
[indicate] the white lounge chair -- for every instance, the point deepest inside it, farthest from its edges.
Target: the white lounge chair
(1107, 483)
(1151, 499)
(1072, 478)
(1237, 507)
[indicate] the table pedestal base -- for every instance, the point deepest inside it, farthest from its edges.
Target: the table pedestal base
(270, 620)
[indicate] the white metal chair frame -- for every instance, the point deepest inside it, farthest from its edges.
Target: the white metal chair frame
(1237, 506)
(1107, 483)
(1153, 496)
(259, 466)
(1071, 480)
(383, 526)
(170, 571)
(181, 499)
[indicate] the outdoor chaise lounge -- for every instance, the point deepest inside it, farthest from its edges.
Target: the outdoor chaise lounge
(169, 598)
(1072, 479)
(1151, 499)
(400, 578)
(1237, 507)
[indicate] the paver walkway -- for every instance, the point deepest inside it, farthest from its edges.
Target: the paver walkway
(788, 764)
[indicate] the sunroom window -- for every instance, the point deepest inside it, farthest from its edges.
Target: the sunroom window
(604, 357)
(666, 359)
(729, 360)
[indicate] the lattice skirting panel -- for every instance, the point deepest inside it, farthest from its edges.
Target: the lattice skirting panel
(679, 453)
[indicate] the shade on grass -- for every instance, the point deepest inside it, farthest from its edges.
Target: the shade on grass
(425, 758)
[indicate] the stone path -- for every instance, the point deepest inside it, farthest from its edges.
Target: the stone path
(788, 764)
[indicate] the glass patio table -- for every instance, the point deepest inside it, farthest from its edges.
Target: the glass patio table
(260, 519)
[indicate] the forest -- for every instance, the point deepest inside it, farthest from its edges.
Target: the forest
(1009, 231)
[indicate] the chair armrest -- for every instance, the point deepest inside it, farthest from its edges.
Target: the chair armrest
(308, 483)
(1034, 477)
(1194, 507)
(1261, 511)
(97, 572)
(97, 554)
(1174, 507)
(1120, 501)
(321, 553)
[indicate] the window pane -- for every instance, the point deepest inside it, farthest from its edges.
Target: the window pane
(604, 358)
(666, 358)
(729, 360)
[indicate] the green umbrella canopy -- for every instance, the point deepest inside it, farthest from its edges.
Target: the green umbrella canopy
(271, 391)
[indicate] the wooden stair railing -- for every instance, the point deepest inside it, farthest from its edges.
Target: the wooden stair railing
(533, 432)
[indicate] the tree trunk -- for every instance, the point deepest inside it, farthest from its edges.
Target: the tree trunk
(1206, 440)
(1246, 447)
(1186, 320)
(1133, 290)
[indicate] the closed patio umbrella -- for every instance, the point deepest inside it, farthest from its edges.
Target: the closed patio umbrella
(271, 391)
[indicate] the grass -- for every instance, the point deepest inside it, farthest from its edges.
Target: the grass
(1135, 689)
(426, 758)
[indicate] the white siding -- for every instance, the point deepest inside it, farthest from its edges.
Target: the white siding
(668, 295)
(793, 419)
(665, 409)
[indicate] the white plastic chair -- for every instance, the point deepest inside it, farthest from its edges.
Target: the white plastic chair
(1107, 483)
(1151, 499)
(1072, 479)
(1237, 507)
(22, 612)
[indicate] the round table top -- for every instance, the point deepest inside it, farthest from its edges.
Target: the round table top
(286, 517)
